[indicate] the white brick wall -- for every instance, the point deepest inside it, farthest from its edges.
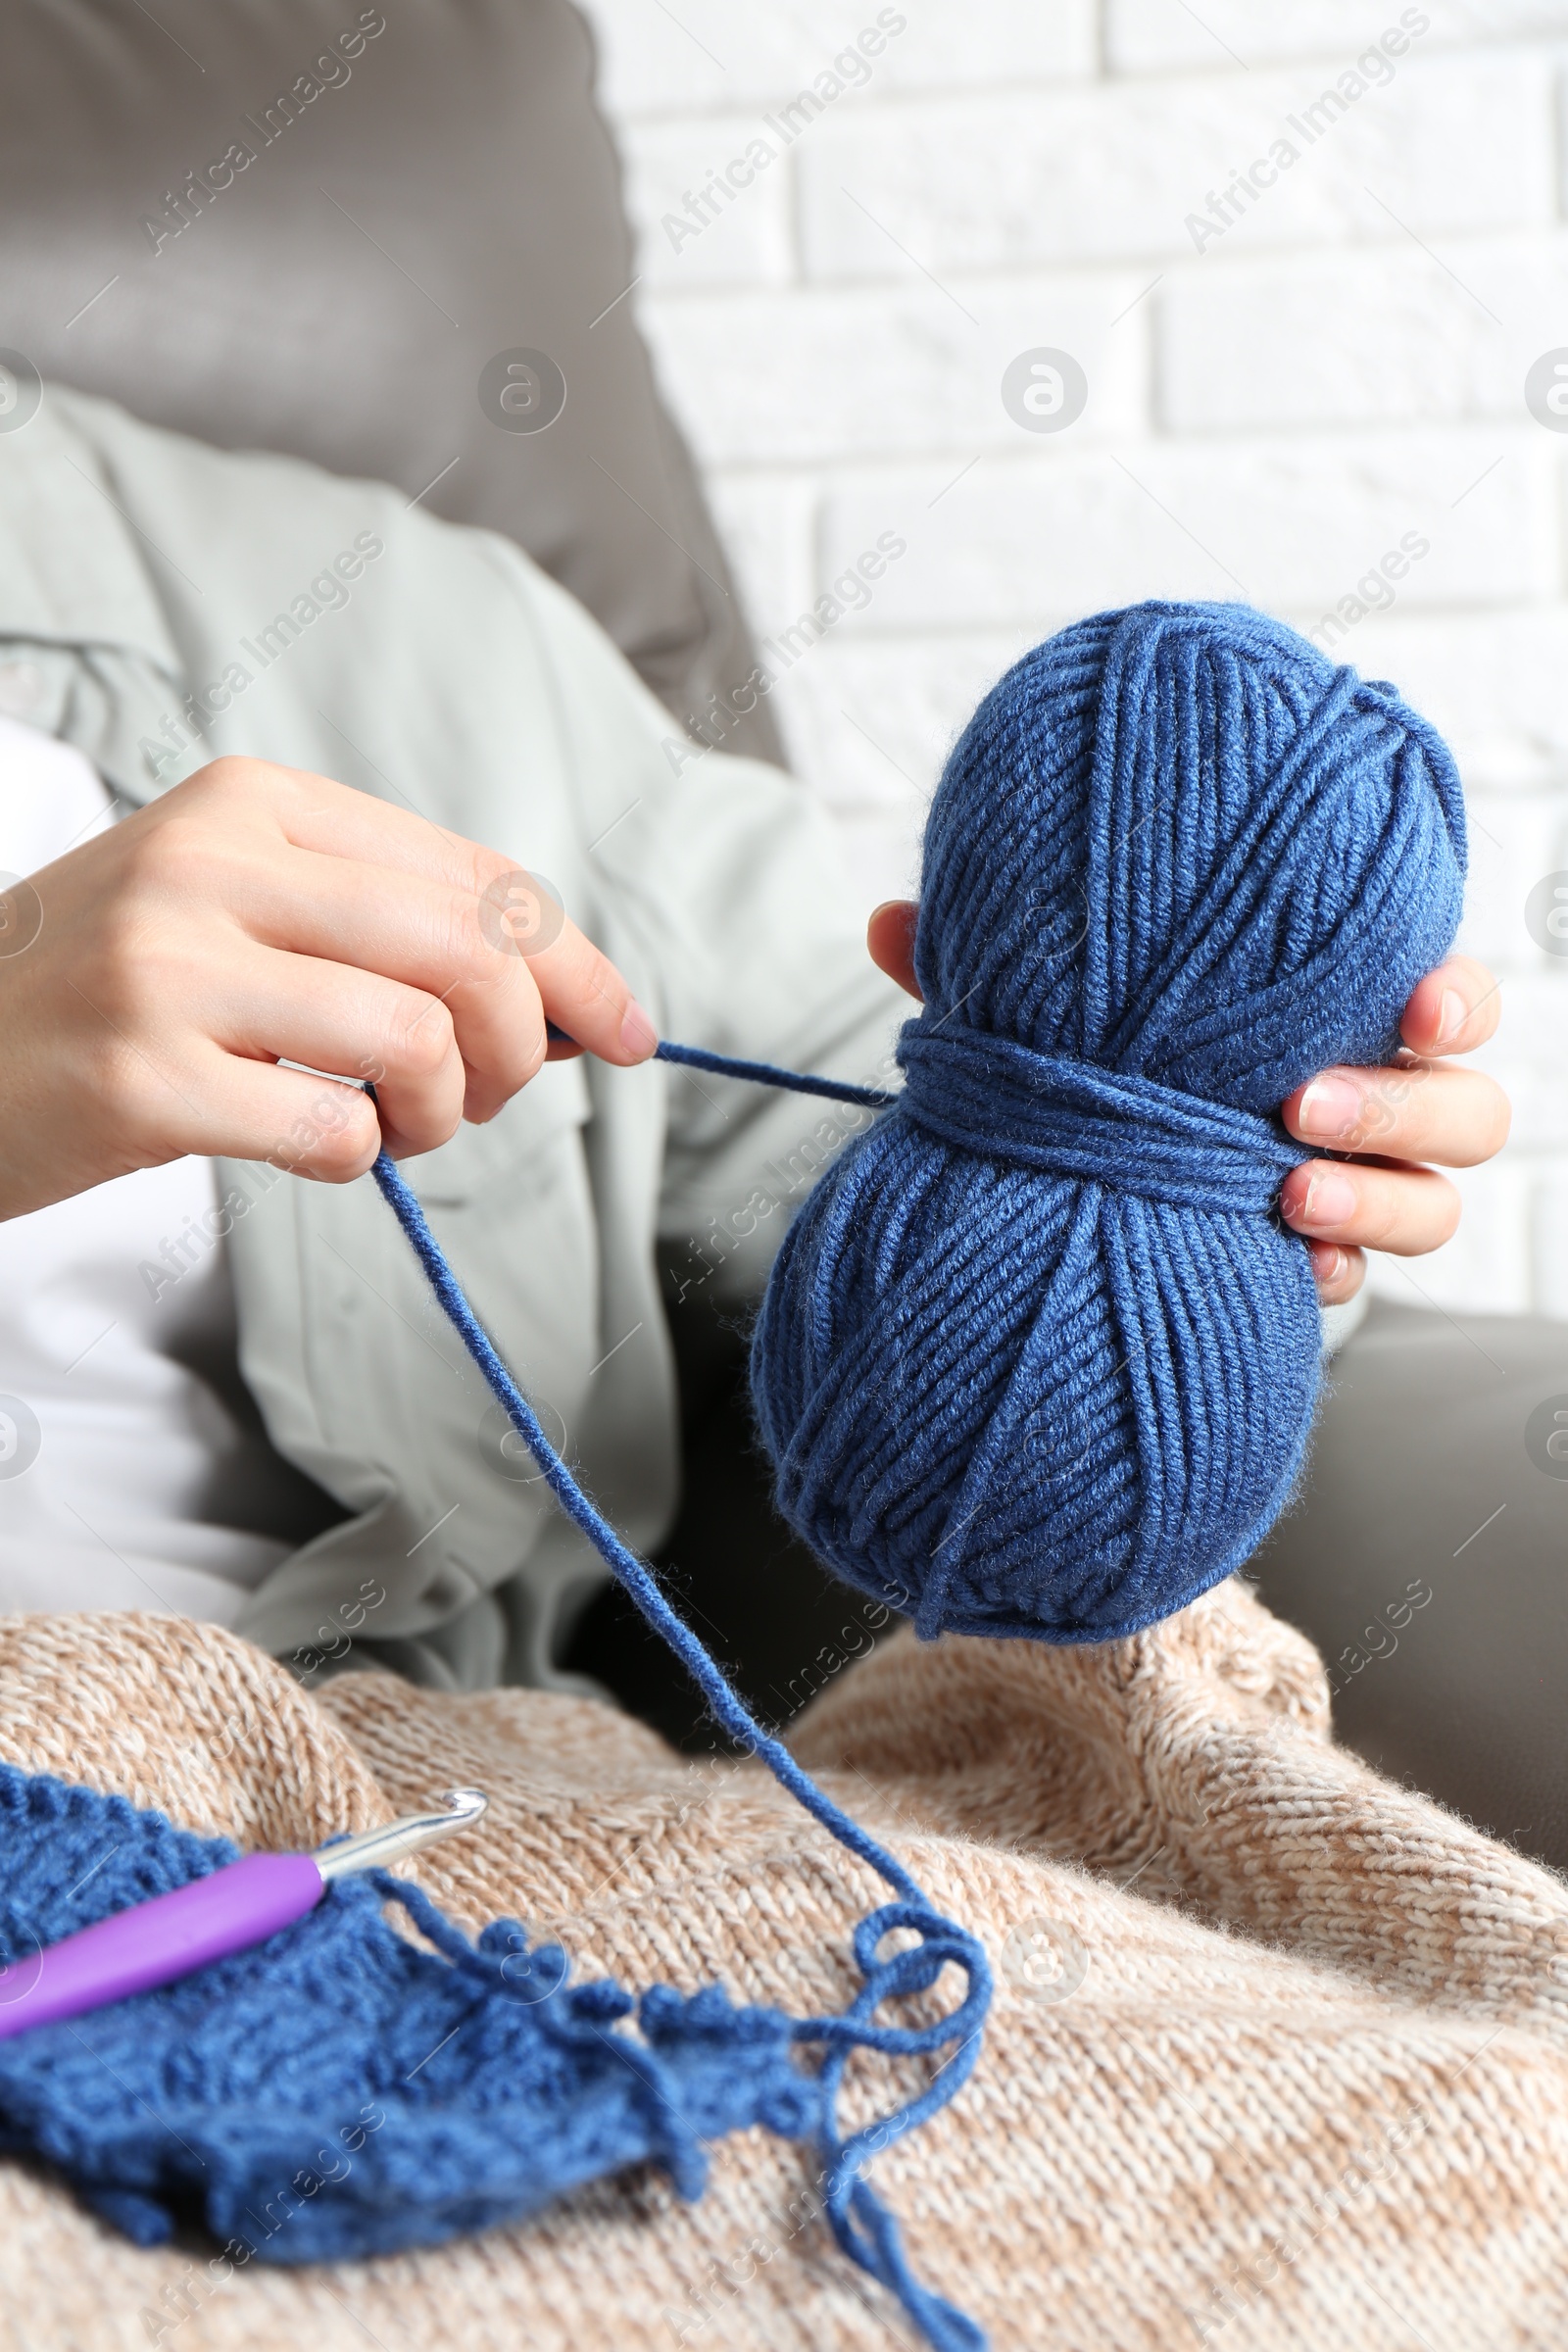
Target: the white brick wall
(1342, 366)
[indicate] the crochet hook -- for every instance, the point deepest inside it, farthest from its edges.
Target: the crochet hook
(236, 1907)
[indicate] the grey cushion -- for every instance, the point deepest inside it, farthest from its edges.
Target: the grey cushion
(1427, 1558)
(447, 194)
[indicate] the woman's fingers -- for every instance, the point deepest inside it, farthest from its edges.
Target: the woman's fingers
(1416, 1110)
(333, 1016)
(289, 1118)
(1419, 1109)
(424, 936)
(255, 915)
(583, 994)
(1338, 1272)
(499, 960)
(1453, 1009)
(316, 812)
(1406, 1211)
(580, 990)
(398, 893)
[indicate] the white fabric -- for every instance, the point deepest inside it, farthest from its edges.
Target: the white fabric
(115, 1454)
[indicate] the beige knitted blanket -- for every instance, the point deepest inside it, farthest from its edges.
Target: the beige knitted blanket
(1279, 2055)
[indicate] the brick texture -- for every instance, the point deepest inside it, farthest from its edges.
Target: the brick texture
(1287, 377)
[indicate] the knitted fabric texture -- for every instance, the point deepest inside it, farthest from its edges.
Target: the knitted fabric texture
(382, 2094)
(1037, 1357)
(1279, 2060)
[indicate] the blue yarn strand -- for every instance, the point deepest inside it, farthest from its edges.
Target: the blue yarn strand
(862, 2225)
(769, 1073)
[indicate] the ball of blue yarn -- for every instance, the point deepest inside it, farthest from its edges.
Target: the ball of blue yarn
(1037, 1356)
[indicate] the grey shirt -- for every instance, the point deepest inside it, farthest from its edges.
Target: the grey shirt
(168, 604)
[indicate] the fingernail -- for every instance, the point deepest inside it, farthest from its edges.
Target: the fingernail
(1330, 1108)
(638, 1036)
(1330, 1199)
(1328, 1265)
(1453, 1014)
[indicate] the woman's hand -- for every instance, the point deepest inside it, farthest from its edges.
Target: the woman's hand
(1391, 1120)
(152, 981)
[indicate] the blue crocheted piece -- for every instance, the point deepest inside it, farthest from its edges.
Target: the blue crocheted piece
(339, 2091)
(1037, 1356)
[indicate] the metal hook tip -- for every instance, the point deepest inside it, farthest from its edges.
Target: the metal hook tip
(396, 1839)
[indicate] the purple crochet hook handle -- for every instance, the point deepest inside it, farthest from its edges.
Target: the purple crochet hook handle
(154, 1942)
(172, 1935)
